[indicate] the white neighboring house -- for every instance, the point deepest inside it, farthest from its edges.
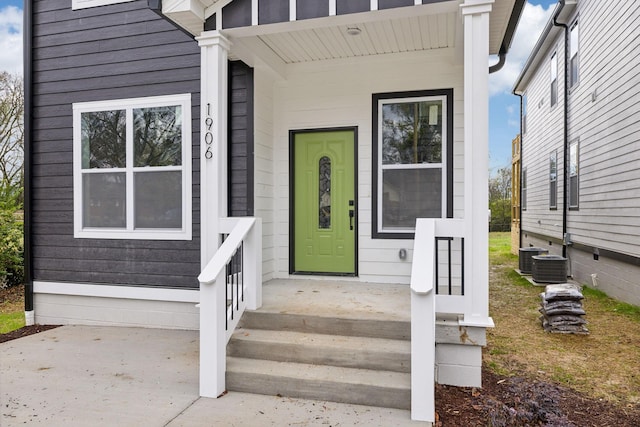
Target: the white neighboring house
(580, 179)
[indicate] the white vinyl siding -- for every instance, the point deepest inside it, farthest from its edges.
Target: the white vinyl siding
(603, 113)
(132, 168)
(339, 94)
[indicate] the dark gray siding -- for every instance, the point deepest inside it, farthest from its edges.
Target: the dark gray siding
(307, 9)
(344, 7)
(240, 139)
(110, 52)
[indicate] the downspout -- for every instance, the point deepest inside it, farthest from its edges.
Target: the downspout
(508, 36)
(565, 171)
(28, 106)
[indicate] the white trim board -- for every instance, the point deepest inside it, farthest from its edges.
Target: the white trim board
(83, 4)
(117, 291)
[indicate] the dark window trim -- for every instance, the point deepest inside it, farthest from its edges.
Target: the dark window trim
(448, 93)
(554, 182)
(523, 190)
(575, 207)
(292, 236)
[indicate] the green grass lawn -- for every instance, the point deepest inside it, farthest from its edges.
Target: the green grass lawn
(11, 321)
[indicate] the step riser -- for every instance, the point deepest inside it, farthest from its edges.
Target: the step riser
(319, 390)
(315, 355)
(388, 329)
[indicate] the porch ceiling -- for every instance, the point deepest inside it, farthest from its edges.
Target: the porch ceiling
(424, 27)
(407, 34)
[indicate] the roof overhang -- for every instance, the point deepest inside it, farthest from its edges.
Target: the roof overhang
(423, 27)
(547, 39)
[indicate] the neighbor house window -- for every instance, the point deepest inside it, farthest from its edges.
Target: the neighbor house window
(574, 174)
(83, 4)
(573, 54)
(553, 180)
(412, 155)
(523, 187)
(132, 168)
(524, 113)
(554, 78)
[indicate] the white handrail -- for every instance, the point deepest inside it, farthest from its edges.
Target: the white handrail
(423, 323)
(226, 250)
(213, 305)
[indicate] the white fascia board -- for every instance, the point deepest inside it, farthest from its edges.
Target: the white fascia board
(189, 14)
(117, 291)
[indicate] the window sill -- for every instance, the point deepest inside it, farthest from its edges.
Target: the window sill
(120, 234)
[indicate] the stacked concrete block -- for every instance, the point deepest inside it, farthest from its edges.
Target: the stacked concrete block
(562, 310)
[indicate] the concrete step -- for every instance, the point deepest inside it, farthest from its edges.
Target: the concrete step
(321, 349)
(337, 384)
(327, 325)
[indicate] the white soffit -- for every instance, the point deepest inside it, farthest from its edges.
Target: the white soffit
(498, 21)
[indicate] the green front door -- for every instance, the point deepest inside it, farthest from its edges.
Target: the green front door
(324, 210)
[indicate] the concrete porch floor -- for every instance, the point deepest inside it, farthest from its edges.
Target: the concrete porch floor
(106, 376)
(338, 298)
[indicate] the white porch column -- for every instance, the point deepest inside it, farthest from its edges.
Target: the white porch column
(476, 159)
(213, 139)
(213, 205)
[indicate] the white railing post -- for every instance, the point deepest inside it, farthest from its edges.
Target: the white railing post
(213, 342)
(252, 268)
(423, 319)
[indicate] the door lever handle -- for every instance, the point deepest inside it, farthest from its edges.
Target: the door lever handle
(352, 214)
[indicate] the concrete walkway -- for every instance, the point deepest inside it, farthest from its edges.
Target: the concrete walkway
(104, 376)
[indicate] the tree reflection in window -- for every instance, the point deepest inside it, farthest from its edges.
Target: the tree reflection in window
(324, 199)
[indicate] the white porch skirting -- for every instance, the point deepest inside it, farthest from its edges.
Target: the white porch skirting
(91, 304)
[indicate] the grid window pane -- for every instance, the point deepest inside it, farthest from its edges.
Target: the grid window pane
(158, 199)
(408, 194)
(104, 200)
(412, 132)
(157, 136)
(103, 139)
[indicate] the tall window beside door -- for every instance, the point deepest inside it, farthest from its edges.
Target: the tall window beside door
(412, 160)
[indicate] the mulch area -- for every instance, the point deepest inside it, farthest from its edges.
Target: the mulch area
(501, 402)
(516, 401)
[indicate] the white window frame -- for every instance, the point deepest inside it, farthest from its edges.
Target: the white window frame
(381, 167)
(574, 51)
(183, 233)
(84, 4)
(574, 174)
(553, 75)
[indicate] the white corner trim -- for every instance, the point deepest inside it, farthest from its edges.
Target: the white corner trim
(84, 4)
(119, 291)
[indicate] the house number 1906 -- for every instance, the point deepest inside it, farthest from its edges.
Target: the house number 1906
(208, 136)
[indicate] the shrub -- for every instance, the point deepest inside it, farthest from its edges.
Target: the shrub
(11, 249)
